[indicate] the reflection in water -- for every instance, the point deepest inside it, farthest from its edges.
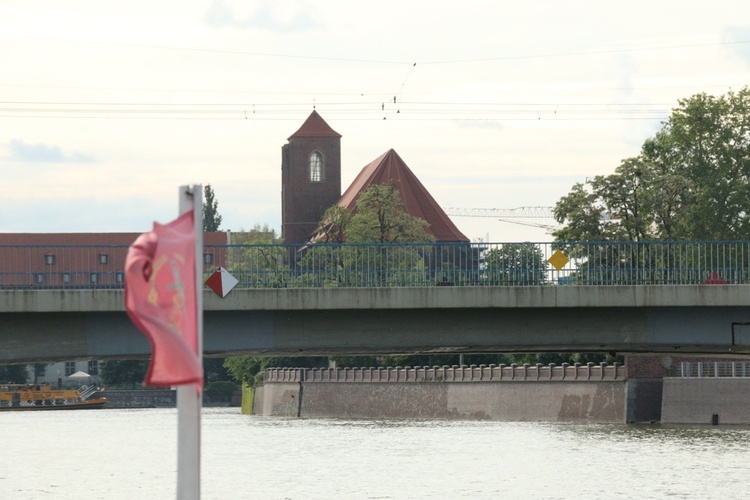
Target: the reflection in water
(132, 453)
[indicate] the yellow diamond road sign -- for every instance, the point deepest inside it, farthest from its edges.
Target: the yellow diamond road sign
(558, 259)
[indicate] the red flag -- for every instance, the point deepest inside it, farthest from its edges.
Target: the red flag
(160, 297)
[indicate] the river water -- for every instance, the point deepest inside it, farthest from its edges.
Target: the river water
(131, 454)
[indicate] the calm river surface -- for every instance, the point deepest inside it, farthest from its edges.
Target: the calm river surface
(131, 454)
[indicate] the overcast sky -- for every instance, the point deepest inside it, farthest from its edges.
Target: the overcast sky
(106, 111)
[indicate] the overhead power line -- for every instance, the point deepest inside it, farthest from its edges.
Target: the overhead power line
(407, 110)
(386, 61)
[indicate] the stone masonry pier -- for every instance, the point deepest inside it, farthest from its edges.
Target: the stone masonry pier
(589, 393)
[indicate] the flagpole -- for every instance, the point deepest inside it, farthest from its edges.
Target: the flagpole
(189, 396)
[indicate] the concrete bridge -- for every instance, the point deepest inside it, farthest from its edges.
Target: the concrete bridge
(54, 325)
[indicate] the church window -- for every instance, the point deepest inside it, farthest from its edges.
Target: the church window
(316, 167)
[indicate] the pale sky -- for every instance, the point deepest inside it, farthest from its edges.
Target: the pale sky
(108, 108)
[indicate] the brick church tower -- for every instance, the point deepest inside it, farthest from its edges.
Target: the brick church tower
(310, 178)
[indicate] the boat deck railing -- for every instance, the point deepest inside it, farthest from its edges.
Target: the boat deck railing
(86, 392)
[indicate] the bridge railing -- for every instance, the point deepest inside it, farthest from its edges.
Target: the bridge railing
(402, 265)
(472, 373)
(715, 369)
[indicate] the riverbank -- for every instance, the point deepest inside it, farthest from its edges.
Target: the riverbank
(156, 398)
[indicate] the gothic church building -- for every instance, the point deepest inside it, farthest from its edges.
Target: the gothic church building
(311, 183)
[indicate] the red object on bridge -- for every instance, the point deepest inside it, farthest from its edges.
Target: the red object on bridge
(715, 279)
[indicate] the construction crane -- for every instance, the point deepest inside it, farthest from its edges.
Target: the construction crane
(506, 214)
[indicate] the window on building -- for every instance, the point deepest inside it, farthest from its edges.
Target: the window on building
(316, 167)
(39, 278)
(93, 368)
(66, 277)
(93, 278)
(70, 368)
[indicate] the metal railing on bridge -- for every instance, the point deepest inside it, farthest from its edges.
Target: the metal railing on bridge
(402, 265)
(715, 369)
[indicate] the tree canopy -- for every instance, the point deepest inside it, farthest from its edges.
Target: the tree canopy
(690, 181)
(211, 216)
(380, 217)
(16, 374)
(124, 372)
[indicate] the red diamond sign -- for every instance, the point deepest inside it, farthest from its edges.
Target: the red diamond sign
(221, 282)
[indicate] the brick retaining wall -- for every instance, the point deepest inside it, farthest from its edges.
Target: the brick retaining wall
(595, 393)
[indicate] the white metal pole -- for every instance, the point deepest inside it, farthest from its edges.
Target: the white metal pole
(188, 396)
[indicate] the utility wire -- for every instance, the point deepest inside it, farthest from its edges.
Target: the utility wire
(385, 61)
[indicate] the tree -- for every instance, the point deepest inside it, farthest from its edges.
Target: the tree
(124, 372)
(16, 374)
(257, 235)
(707, 141)
(211, 217)
(691, 181)
(515, 264)
(249, 369)
(381, 217)
(40, 370)
(256, 257)
(214, 370)
(333, 226)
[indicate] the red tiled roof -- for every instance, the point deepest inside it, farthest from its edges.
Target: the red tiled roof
(389, 167)
(314, 126)
(212, 238)
(74, 256)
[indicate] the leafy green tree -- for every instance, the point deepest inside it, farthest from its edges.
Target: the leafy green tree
(124, 372)
(691, 181)
(15, 374)
(40, 370)
(559, 358)
(257, 258)
(259, 234)
(211, 216)
(515, 264)
(333, 226)
(249, 369)
(580, 211)
(707, 141)
(381, 217)
(214, 370)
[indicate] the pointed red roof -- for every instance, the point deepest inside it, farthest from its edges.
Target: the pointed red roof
(389, 167)
(314, 126)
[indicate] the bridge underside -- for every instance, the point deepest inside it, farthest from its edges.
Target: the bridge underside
(58, 336)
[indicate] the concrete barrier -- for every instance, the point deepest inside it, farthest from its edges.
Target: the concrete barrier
(698, 400)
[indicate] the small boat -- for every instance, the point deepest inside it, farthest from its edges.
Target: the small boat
(21, 397)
